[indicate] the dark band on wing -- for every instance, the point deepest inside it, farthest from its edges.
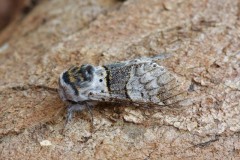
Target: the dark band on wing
(117, 77)
(107, 78)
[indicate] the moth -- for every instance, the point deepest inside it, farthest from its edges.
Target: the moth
(141, 82)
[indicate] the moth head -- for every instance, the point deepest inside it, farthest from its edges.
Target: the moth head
(74, 81)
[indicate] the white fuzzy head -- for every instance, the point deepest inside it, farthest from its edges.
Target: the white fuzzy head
(77, 83)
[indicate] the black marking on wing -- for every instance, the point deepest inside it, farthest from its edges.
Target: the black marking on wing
(107, 78)
(117, 78)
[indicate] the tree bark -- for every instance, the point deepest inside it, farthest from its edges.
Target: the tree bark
(203, 38)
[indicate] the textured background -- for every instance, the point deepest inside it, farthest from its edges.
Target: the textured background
(204, 38)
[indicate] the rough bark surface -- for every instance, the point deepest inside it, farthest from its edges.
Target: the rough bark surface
(204, 39)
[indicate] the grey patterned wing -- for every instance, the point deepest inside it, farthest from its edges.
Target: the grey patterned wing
(154, 84)
(141, 82)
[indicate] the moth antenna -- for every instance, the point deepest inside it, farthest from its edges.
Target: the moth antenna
(58, 111)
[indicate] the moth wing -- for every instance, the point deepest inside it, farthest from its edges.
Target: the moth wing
(145, 83)
(102, 97)
(148, 59)
(105, 97)
(153, 84)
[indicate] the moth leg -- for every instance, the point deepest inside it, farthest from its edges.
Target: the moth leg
(73, 108)
(90, 111)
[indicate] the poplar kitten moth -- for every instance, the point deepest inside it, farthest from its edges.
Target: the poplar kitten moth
(140, 82)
